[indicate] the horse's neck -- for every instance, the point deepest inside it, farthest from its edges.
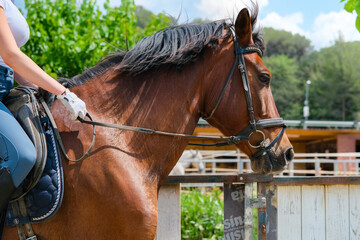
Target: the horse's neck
(165, 101)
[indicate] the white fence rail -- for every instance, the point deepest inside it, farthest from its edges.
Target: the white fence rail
(317, 164)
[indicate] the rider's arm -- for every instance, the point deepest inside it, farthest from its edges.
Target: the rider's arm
(22, 64)
(22, 81)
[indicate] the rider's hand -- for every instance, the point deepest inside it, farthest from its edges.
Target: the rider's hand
(74, 104)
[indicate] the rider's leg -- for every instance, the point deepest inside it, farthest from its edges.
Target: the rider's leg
(17, 155)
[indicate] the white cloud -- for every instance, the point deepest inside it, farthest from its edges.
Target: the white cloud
(215, 9)
(263, 3)
(327, 28)
(289, 22)
(323, 32)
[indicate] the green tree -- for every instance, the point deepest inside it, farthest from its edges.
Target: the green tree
(287, 88)
(286, 56)
(156, 23)
(280, 42)
(143, 15)
(351, 6)
(200, 20)
(67, 37)
(335, 88)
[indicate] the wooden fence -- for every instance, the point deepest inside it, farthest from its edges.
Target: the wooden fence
(316, 164)
(288, 207)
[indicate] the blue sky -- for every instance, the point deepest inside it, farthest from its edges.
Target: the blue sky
(309, 9)
(321, 21)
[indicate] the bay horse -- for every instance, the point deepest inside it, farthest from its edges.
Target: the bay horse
(166, 82)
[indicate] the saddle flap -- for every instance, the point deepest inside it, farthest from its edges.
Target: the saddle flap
(23, 104)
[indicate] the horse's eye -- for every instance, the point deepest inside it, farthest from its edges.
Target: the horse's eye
(264, 78)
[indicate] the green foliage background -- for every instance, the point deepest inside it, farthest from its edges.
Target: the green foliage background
(67, 37)
(351, 6)
(336, 82)
(285, 43)
(202, 215)
(285, 85)
(333, 71)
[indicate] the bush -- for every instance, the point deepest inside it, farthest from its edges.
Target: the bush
(202, 215)
(69, 36)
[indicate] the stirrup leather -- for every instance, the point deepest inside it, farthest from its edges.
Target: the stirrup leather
(6, 188)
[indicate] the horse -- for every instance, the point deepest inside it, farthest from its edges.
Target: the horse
(166, 82)
(189, 158)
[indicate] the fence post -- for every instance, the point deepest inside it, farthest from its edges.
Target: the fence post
(249, 166)
(336, 167)
(213, 167)
(234, 212)
(317, 166)
(261, 188)
(267, 215)
(240, 162)
(169, 213)
(248, 215)
(291, 169)
(345, 168)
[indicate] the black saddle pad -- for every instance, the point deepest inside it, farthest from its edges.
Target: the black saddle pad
(43, 201)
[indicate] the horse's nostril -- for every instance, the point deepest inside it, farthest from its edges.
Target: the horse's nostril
(289, 154)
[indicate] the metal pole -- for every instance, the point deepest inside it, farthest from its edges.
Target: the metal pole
(240, 162)
(306, 103)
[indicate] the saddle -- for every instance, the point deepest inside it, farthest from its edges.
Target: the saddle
(23, 104)
(40, 195)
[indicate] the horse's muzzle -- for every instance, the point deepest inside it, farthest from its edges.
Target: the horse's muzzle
(268, 161)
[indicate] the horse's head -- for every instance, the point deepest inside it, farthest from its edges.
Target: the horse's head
(239, 101)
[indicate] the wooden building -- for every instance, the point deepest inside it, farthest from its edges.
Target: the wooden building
(320, 136)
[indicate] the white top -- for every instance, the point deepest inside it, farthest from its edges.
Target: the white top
(17, 24)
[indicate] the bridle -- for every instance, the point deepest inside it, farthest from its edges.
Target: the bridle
(244, 135)
(254, 126)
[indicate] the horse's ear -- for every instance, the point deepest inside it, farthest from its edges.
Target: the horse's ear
(243, 28)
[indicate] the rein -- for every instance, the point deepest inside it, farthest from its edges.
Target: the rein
(231, 140)
(244, 135)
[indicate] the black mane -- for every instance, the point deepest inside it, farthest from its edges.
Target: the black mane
(174, 46)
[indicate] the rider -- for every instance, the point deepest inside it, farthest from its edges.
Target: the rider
(17, 152)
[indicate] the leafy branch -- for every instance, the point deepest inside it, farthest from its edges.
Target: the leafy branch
(351, 6)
